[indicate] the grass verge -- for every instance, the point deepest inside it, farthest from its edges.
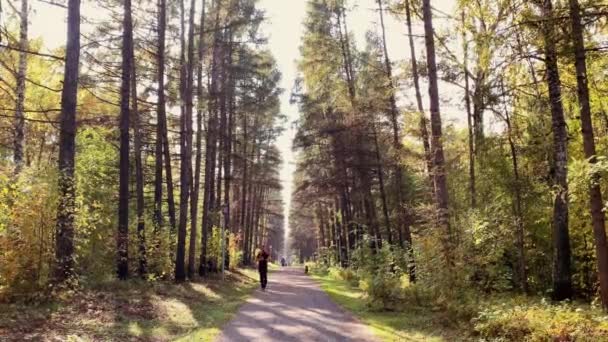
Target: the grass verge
(132, 311)
(411, 324)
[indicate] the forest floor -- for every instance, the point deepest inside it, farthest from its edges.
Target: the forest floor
(412, 324)
(132, 311)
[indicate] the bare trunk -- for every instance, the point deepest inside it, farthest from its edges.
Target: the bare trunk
(595, 193)
(21, 74)
(562, 275)
(441, 191)
(123, 192)
(467, 100)
(161, 120)
(424, 133)
(199, 144)
(64, 235)
(228, 100)
(394, 113)
(139, 174)
(210, 150)
(185, 143)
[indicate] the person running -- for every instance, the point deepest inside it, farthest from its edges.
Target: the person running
(263, 267)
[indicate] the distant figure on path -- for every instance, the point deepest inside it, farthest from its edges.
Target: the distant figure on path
(283, 262)
(263, 267)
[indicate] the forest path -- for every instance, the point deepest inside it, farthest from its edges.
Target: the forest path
(293, 308)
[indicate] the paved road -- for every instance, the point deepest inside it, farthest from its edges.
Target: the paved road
(293, 308)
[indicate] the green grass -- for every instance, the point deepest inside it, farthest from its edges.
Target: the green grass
(411, 324)
(133, 311)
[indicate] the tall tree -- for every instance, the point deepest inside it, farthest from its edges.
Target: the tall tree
(64, 235)
(21, 75)
(161, 121)
(139, 172)
(441, 189)
(467, 100)
(185, 140)
(123, 192)
(562, 274)
(595, 193)
(210, 145)
(199, 144)
(424, 134)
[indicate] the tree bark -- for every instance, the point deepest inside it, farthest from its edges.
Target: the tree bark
(19, 124)
(595, 193)
(211, 145)
(228, 99)
(189, 97)
(562, 274)
(441, 191)
(185, 150)
(467, 100)
(394, 113)
(424, 133)
(199, 144)
(139, 172)
(160, 119)
(123, 192)
(64, 234)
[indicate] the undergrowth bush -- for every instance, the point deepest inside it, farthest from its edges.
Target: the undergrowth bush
(345, 274)
(532, 322)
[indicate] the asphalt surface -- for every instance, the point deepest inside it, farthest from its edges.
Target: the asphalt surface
(293, 308)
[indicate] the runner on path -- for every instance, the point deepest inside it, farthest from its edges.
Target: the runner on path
(263, 267)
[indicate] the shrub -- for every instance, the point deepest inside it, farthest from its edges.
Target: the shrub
(345, 274)
(27, 227)
(541, 322)
(235, 253)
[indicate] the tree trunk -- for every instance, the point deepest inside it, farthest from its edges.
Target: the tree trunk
(394, 113)
(424, 133)
(595, 193)
(517, 205)
(123, 192)
(387, 221)
(228, 99)
(21, 74)
(228, 108)
(64, 234)
(467, 100)
(185, 149)
(441, 192)
(562, 275)
(199, 144)
(161, 119)
(210, 150)
(139, 173)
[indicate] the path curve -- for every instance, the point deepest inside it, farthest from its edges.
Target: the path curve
(293, 308)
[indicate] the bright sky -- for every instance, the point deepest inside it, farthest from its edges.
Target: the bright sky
(284, 29)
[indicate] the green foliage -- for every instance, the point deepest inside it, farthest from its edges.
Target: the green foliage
(536, 322)
(234, 252)
(96, 184)
(27, 231)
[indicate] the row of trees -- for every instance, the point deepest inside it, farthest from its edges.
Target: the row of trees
(194, 148)
(491, 204)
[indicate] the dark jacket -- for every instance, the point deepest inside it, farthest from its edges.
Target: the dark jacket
(263, 261)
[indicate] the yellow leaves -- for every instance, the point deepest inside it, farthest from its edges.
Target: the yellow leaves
(28, 214)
